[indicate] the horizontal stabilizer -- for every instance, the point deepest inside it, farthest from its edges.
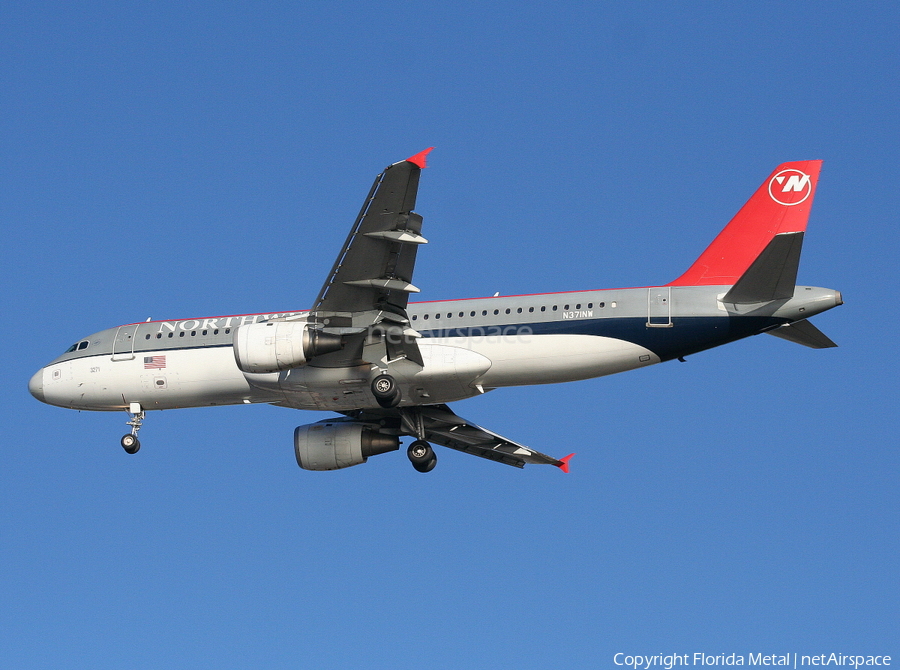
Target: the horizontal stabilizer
(773, 275)
(803, 332)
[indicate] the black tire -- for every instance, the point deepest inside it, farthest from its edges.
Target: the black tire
(393, 401)
(422, 456)
(384, 387)
(130, 443)
(427, 467)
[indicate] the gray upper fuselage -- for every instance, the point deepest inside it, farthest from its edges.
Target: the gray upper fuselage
(671, 321)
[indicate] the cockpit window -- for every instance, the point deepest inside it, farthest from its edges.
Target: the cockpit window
(78, 346)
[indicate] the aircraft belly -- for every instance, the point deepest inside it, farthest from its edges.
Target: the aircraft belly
(449, 373)
(550, 359)
(310, 387)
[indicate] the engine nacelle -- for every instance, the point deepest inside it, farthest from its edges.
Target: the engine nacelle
(272, 346)
(331, 445)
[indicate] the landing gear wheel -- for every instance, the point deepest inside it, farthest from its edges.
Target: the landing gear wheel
(130, 443)
(428, 467)
(387, 403)
(422, 456)
(384, 388)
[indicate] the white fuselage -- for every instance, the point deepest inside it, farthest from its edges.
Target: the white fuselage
(467, 346)
(466, 349)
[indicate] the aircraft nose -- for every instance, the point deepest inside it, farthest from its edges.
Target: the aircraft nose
(36, 385)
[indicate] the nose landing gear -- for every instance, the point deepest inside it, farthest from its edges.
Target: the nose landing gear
(130, 442)
(422, 456)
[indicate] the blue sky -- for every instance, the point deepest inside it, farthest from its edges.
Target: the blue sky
(171, 161)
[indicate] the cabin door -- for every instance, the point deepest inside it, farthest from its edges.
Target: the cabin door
(659, 307)
(123, 346)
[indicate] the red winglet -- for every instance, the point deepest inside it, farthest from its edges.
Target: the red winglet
(419, 158)
(564, 463)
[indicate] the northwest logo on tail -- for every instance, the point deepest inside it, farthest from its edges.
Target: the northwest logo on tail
(790, 187)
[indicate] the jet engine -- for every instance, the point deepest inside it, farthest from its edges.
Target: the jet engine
(331, 445)
(273, 346)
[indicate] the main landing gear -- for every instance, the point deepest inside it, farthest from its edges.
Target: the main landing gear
(420, 453)
(130, 442)
(422, 456)
(386, 391)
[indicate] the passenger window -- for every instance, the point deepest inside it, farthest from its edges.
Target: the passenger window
(496, 311)
(425, 317)
(543, 308)
(578, 306)
(181, 334)
(484, 312)
(216, 331)
(507, 310)
(415, 316)
(472, 313)
(565, 308)
(462, 314)
(147, 336)
(531, 309)
(171, 334)
(602, 305)
(554, 308)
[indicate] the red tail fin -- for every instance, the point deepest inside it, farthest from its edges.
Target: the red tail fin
(780, 205)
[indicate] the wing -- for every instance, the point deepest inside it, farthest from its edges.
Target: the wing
(438, 424)
(445, 428)
(370, 282)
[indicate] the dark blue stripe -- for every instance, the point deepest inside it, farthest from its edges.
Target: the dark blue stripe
(688, 335)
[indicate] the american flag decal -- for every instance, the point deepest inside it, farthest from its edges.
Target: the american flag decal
(154, 362)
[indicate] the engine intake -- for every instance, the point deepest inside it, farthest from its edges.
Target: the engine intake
(331, 445)
(273, 346)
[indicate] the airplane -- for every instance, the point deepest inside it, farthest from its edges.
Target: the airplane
(389, 367)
